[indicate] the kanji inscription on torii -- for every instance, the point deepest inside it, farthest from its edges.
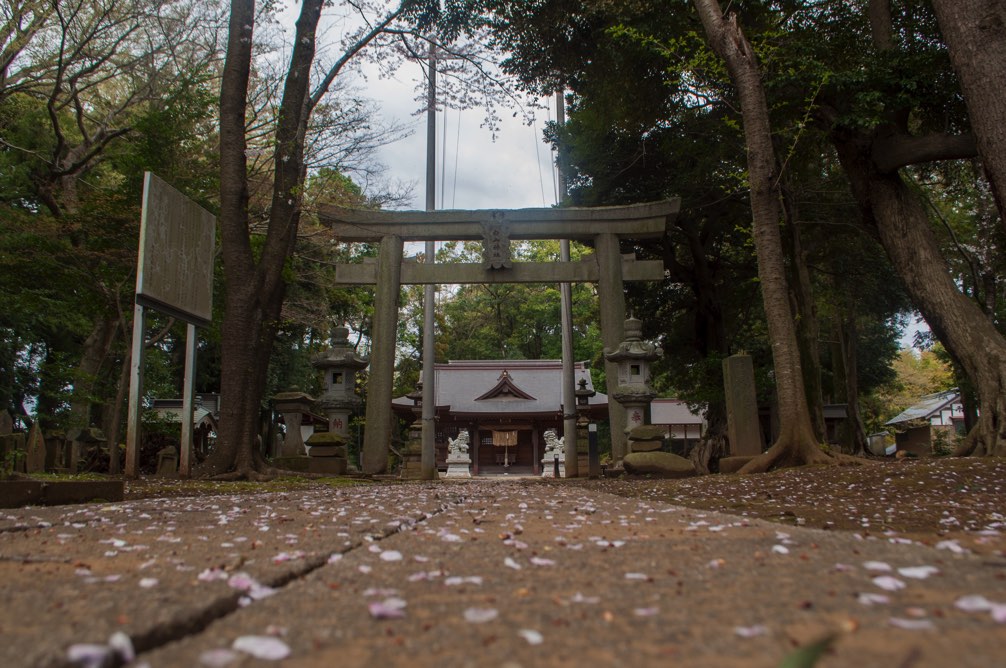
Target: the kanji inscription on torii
(496, 243)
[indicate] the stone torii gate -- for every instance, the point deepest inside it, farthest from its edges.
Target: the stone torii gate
(601, 226)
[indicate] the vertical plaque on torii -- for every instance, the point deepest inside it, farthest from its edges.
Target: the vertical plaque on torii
(496, 243)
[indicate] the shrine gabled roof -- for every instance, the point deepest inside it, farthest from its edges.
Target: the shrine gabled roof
(928, 406)
(505, 386)
(505, 390)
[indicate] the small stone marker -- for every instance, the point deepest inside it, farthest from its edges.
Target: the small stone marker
(35, 450)
(743, 427)
(292, 405)
(326, 453)
(167, 462)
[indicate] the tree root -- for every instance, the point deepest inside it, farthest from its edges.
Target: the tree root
(789, 451)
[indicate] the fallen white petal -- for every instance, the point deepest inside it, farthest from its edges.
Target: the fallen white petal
(951, 545)
(973, 603)
(122, 645)
(480, 615)
(646, 612)
(780, 549)
(241, 581)
(911, 624)
(218, 658)
(918, 572)
(531, 636)
(510, 563)
(262, 647)
(391, 555)
(889, 583)
(580, 598)
(876, 566)
(389, 608)
(867, 598)
(751, 631)
(636, 576)
(541, 561)
(89, 655)
(147, 583)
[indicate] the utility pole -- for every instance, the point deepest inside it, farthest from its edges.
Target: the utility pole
(428, 459)
(566, 301)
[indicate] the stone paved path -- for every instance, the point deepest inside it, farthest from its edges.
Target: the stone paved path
(483, 573)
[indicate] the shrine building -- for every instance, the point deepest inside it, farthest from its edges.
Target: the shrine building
(505, 405)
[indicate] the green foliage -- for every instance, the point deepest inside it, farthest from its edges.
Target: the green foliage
(516, 321)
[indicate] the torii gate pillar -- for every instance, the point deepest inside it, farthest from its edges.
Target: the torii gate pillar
(611, 297)
(377, 437)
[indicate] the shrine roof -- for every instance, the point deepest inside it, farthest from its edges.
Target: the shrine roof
(504, 386)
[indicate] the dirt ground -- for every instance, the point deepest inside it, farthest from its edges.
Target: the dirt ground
(924, 500)
(522, 572)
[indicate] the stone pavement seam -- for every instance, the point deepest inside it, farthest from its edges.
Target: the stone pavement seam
(162, 634)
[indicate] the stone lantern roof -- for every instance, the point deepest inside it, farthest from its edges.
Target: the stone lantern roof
(633, 347)
(340, 354)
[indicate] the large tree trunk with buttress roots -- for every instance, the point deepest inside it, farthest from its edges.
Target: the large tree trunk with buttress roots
(904, 230)
(796, 444)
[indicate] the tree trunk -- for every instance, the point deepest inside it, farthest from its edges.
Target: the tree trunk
(113, 423)
(808, 330)
(254, 290)
(92, 355)
(241, 324)
(855, 431)
(903, 228)
(796, 444)
(707, 452)
(710, 337)
(975, 33)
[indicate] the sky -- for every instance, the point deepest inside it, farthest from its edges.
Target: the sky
(514, 171)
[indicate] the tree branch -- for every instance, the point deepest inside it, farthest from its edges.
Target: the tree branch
(895, 151)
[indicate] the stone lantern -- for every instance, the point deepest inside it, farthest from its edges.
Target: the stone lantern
(583, 395)
(413, 449)
(339, 365)
(633, 357)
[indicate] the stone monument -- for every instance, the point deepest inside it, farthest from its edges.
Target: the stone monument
(458, 460)
(167, 462)
(326, 452)
(35, 450)
(555, 448)
(743, 427)
(292, 405)
(80, 441)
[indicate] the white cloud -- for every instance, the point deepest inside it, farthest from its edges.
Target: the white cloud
(514, 171)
